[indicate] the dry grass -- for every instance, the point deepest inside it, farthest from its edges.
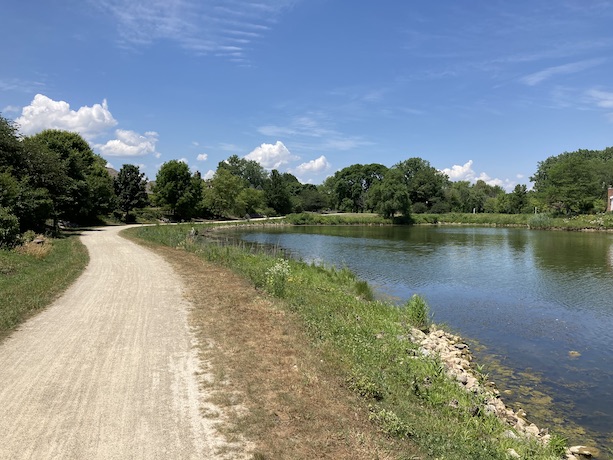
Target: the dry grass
(39, 248)
(284, 395)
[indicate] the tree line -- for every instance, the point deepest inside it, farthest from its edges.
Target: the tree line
(55, 176)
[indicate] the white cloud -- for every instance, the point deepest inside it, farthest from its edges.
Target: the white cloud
(202, 27)
(130, 144)
(271, 156)
(45, 113)
(314, 166)
(573, 67)
(202, 157)
(602, 99)
(183, 160)
(465, 172)
(209, 174)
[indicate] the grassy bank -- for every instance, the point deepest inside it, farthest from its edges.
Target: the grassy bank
(409, 395)
(34, 275)
(592, 222)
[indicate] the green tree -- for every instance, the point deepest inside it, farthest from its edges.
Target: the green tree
(390, 196)
(78, 183)
(222, 197)
(248, 170)
(518, 199)
(131, 190)
(177, 190)
(574, 182)
(277, 193)
(350, 185)
(425, 183)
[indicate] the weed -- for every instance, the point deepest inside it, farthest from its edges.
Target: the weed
(418, 312)
(390, 423)
(276, 278)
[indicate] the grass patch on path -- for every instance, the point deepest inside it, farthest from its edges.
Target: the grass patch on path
(32, 279)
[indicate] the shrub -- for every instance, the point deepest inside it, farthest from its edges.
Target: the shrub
(9, 229)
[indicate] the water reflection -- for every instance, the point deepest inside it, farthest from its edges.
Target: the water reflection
(529, 297)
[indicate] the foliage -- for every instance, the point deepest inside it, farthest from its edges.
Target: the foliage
(350, 185)
(418, 312)
(9, 229)
(277, 193)
(249, 171)
(221, 196)
(390, 195)
(80, 187)
(425, 184)
(306, 218)
(277, 277)
(574, 182)
(131, 189)
(177, 190)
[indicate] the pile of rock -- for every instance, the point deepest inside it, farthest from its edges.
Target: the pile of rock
(456, 356)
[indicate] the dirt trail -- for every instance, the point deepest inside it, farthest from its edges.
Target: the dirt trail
(109, 371)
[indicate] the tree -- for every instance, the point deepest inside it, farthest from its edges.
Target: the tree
(574, 182)
(221, 197)
(518, 199)
(425, 183)
(248, 170)
(350, 185)
(391, 195)
(78, 183)
(176, 189)
(131, 189)
(277, 194)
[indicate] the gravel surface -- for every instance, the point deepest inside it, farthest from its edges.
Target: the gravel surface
(110, 370)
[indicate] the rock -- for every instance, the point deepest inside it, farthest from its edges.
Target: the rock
(574, 354)
(461, 346)
(509, 434)
(512, 453)
(533, 430)
(581, 451)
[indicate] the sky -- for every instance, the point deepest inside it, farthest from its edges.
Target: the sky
(482, 89)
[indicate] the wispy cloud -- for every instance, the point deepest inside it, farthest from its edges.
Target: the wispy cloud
(573, 67)
(20, 85)
(601, 98)
(218, 27)
(312, 133)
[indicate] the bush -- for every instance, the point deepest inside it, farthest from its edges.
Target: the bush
(9, 229)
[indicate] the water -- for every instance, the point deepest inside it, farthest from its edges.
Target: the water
(527, 298)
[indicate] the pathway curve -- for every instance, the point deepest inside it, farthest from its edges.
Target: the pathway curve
(109, 371)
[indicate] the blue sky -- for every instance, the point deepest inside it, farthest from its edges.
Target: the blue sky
(480, 89)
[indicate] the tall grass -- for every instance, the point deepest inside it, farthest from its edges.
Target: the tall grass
(410, 395)
(30, 279)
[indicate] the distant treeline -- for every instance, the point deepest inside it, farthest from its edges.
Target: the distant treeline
(55, 176)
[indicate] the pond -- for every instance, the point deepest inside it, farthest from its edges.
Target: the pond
(537, 305)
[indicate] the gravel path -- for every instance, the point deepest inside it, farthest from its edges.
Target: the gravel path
(110, 370)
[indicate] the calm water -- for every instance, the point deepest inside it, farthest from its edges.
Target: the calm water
(527, 299)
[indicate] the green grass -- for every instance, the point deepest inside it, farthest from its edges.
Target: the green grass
(410, 396)
(29, 282)
(603, 221)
